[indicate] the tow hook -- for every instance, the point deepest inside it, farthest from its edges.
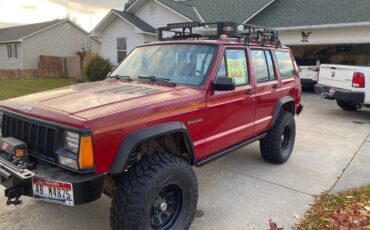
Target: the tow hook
(13, 195)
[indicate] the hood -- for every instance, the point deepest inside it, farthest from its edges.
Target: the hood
(90, 100)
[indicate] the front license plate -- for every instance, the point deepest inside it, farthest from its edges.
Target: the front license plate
(53, 191)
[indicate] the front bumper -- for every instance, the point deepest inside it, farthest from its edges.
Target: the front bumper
(86, 188)
(340, 94)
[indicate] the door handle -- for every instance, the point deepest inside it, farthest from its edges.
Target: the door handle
(251, 91)
(276, 86)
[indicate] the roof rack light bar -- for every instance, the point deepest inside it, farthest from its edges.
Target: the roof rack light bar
(249, 33)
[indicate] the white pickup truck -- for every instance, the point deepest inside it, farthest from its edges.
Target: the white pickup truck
(348, 85)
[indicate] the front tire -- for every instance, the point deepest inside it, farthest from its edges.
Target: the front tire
(347, 105)
(159, 193)
(278, 145)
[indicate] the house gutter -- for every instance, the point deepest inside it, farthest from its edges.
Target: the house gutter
(326, 26)
(12, 41)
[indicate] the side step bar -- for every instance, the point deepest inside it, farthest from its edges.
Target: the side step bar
(224, 153)
(8, 169)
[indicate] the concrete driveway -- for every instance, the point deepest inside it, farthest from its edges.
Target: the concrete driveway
(241, 191)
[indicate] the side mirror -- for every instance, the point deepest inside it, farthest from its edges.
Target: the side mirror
(224, 84)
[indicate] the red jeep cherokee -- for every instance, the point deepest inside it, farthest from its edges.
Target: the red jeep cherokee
(170, 105)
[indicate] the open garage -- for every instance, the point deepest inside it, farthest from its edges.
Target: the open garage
(335, 44)
(331, 33)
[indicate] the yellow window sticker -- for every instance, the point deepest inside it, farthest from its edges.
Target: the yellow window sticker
(236, 70)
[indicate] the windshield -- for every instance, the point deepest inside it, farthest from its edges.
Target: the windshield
(179, 63)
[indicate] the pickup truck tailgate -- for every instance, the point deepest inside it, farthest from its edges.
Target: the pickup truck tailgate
(338, 76)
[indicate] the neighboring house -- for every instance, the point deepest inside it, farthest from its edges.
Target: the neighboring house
(21, 46)
(312, 27)
(121, 31)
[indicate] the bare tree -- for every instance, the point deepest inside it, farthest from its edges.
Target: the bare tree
(83, 49)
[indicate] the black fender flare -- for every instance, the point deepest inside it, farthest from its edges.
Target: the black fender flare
(279, 106)
(134, 139)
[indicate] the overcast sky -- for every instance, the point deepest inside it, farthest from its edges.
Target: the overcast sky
(86, 13)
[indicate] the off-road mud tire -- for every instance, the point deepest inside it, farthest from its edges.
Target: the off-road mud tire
(273, 149)
(138, 189)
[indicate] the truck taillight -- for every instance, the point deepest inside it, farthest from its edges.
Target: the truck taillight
(358, 80)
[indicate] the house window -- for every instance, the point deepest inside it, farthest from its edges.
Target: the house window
(12, 50)
(121, 49)
(15, 51)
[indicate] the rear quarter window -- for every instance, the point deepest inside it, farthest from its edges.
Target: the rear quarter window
(285, 63)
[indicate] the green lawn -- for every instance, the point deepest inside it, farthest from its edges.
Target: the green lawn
(16, 88)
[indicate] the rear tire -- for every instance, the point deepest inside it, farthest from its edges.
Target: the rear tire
(347, 105)
(278, 145)
(159, 193)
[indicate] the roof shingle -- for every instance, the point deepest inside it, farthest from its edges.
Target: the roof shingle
(183, 8)
(136, 21)
(292, 13)
(18, 32)
(217, 10)
(221, 10)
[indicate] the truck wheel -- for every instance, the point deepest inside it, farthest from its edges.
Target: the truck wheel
(347, 105)
(159, 193)
(278, 145)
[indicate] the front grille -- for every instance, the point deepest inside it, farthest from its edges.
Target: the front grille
(38, 137)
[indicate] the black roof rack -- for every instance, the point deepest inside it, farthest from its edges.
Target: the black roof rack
(232, 30)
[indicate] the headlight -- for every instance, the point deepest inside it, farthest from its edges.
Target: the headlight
(83, 148)
(71, 141)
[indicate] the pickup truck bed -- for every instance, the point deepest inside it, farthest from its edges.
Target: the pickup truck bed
(346, 84)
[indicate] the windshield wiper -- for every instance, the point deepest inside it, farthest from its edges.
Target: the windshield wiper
(118, 77)
(157, 80)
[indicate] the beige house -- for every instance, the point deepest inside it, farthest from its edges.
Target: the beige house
(329, 31)
(21, 46)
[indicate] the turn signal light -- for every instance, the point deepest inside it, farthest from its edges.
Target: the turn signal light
(358, 80)
(86, 157)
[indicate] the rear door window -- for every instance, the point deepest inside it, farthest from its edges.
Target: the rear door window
(263, 65)
(285, 63)
(234, 65)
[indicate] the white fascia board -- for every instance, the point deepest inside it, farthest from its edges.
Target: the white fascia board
(61, 22)
(131, 9)
(174, 11)
(198, 14)
(137, 29)
(325, 26)
(11, 41)
(93, 31)
(259, 11)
